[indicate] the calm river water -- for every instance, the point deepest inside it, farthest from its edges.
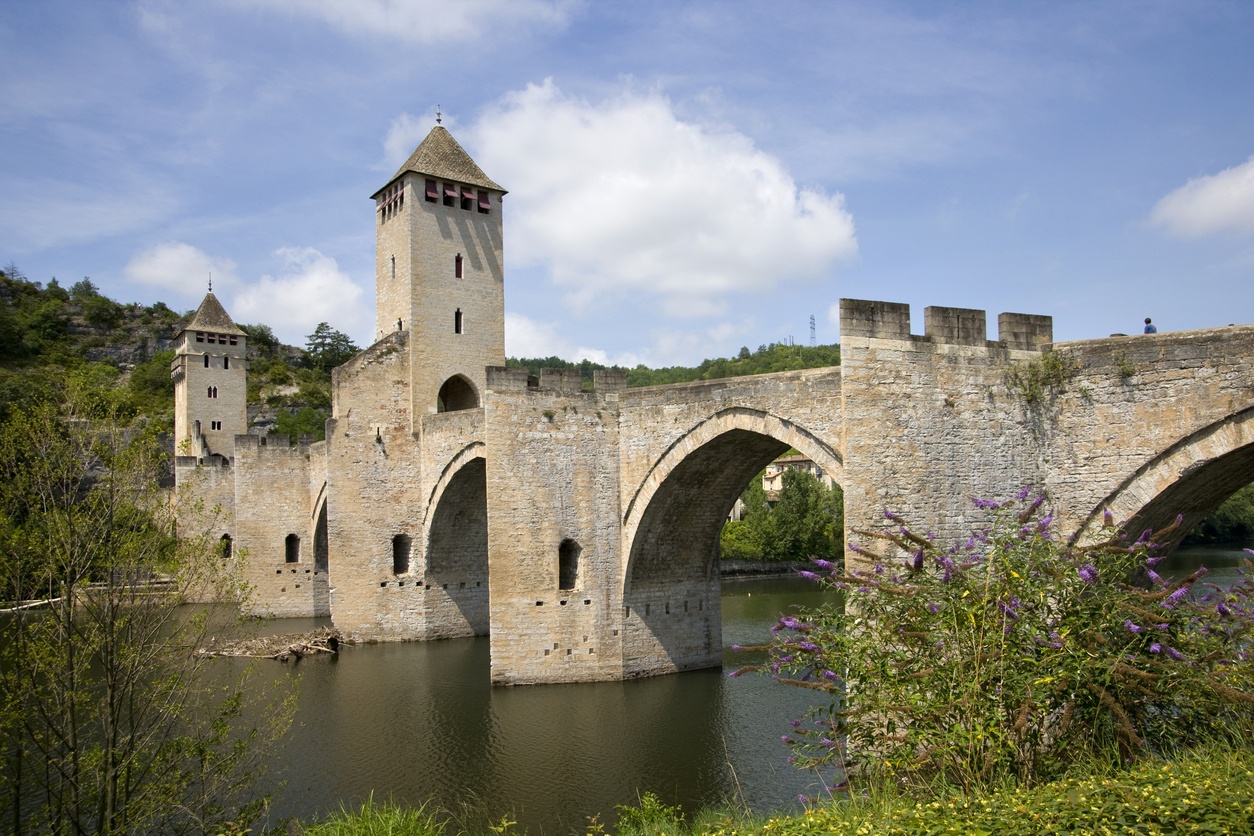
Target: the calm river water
(419, 721)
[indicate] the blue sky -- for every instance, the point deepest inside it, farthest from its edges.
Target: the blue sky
(684, 177)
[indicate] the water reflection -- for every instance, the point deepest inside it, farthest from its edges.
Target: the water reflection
(420, 721)
(1222, 561)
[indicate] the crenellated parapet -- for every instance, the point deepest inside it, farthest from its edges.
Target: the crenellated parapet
(874, 320)
(503, 379)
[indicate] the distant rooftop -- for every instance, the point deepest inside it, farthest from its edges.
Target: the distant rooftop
(211, 316)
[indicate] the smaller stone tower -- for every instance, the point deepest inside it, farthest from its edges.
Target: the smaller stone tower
(439, 273)
(210, 375)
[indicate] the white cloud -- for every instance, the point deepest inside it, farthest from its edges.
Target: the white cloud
(427, 21)
(623, 197)
(310, 289)
(1206, 205)
(39, 215)
(180, 268)
(525, 337)
(403, 137)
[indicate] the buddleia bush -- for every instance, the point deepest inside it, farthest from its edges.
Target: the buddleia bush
(1012, 655)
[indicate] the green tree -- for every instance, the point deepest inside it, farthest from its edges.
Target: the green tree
(262, 336)
(806, 521)
(328, 348)
(305, 421)
(107, 725)
(1231, 522)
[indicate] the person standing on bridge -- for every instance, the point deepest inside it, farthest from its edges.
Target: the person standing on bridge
(1149, 326)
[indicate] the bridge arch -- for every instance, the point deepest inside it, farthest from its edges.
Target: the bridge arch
(321, 582)
(1190, 478)
(672, 615)
(455, 557)
(735, 419)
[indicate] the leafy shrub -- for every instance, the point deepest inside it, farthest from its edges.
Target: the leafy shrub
(1013, 656)
(1208, 791)
(382, 819)
(651, 818)
(305, 421)
(1048, 375)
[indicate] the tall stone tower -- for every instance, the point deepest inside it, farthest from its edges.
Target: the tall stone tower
(439, 273)
(210, 383)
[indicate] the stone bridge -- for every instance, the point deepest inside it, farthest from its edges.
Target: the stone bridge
(579, 529)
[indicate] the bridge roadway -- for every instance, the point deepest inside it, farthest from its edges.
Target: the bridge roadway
(637, 482)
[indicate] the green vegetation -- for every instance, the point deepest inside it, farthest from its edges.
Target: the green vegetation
(107, 723)
(50, 337)
(374, 819)
(775, 357)
(1046, 376)
(1231, 522)
(1013, 657)
(807, 520)
(327, 348)
(1208, 790)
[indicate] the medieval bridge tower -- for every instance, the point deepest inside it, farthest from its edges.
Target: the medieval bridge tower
(439, 272)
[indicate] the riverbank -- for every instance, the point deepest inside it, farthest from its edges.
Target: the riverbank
(759, 568)
(1209, 791)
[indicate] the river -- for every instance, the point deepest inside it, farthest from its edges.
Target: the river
(416, 722)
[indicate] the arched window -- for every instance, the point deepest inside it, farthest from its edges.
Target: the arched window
(400, 554)
(568, 564)
(224, 545)
(456, 393)
(457, 321)
(206, 361)
(457, 266)
(226, 362)
(291, 549)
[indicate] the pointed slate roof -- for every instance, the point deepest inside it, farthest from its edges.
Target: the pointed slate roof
(211, 316)
(439, 155)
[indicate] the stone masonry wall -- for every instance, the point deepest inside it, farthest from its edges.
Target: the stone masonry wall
(553, 473)
(373, 477)
(932, 422)
(206, 500)
(272, 502)
(1153, 425)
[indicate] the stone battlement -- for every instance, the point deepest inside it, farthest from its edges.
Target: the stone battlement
(568, 381)
(951, 326)
(274, 441)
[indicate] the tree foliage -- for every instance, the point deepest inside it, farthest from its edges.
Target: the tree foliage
(1012, 655)
(306, 421)
(1231, 522)
(107, 723)
(806, 521)
(775, 357)
(328, 348)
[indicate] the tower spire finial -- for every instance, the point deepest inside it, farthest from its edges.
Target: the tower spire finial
(437, 114)
(211, 281)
